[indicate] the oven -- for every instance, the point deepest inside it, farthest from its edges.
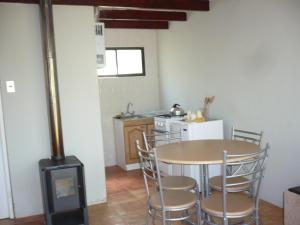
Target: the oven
(164, 132)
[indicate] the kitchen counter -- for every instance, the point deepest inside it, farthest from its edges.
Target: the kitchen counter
(141, 115)
(136, 121)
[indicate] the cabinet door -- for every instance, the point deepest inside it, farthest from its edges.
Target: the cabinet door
(150, 135)
(132, 134)
(150, 129)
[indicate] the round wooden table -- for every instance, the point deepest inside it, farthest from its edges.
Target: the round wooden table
(203, 153)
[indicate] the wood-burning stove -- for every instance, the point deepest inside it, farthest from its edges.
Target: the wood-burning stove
(63, 191)
(62, 178)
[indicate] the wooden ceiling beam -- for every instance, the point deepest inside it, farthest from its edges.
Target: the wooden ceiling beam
(57, 2)
(135, 24)
(200, 5)
(21, 1)
(142, 15)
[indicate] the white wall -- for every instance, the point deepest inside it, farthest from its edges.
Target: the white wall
(25, 111)
(115, 93)
(81, 116)
(246, 53)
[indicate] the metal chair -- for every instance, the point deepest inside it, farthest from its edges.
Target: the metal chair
(242, 135)
(171, 182)
(249, 136)
(235, 200)
(167, 205)
(157, 137)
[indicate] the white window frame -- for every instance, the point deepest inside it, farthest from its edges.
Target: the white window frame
(126, 75)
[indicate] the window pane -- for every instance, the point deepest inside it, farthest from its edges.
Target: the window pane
(130, 61)
(110, 65)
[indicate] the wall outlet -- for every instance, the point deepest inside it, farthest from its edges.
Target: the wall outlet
(10, 86)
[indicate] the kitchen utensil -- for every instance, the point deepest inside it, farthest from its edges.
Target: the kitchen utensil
(207, 102)
(176, 110)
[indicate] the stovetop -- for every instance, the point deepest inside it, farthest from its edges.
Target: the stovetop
(168, 116)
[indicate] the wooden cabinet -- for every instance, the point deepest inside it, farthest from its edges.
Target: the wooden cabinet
(126, 134)
(150, 128)
(132, 134)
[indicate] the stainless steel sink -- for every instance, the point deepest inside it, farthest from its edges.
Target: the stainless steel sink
(129, 117)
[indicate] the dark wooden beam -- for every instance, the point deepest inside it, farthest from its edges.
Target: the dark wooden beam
(202, 5)
(58, 2)
(21, 1)
(142, 15)
(134, 24)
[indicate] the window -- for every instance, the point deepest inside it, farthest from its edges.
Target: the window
(123, 62)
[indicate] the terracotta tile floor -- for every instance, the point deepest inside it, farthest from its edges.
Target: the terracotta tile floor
(127, 203)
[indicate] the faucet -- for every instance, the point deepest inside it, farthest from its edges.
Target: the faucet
(128, 108)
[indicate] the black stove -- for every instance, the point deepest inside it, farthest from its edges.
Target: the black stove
(63, 189)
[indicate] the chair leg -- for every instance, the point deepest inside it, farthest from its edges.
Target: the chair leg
(198, 213)
(164, 218)
(257, 219)
(208, 219)
(225, 221)
(153, 216)
(169, 216)
(148, 217)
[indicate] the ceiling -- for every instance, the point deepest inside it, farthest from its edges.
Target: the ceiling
(136, 14)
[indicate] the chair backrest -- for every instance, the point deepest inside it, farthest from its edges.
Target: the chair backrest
(249, 136)
(157, 138)
(250, 166)
(149, 165)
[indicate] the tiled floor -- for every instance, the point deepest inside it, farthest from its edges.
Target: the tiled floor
(127, 203)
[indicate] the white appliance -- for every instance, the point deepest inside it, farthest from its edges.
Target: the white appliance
(198, 131)
(100, 45)
(162, 122)
(163, 129)
(187, 131)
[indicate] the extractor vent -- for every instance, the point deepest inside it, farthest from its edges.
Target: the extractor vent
(100, 45)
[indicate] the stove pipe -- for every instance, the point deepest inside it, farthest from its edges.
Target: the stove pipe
(51, 79)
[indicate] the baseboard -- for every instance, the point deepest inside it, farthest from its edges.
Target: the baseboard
(40, 217)
(270, 204)
(28, 219)
(97, 202)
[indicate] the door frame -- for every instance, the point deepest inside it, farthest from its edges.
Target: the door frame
(5, 162)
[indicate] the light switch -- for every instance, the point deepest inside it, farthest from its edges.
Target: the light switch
(10, 86)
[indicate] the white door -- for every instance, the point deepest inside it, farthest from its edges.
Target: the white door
(5, 202)
(4, 209)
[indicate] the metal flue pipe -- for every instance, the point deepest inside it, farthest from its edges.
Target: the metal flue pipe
(51, 79)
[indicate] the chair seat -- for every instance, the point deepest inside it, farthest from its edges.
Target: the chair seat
(174, 200)
(238, 205)
(216, 183)
(178, 183)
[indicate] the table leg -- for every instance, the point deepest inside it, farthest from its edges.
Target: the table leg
(204, 183)
(170, 169)
(206, 180)
(202, 186)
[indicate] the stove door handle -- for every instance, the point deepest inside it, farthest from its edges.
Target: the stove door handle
(160, 131)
